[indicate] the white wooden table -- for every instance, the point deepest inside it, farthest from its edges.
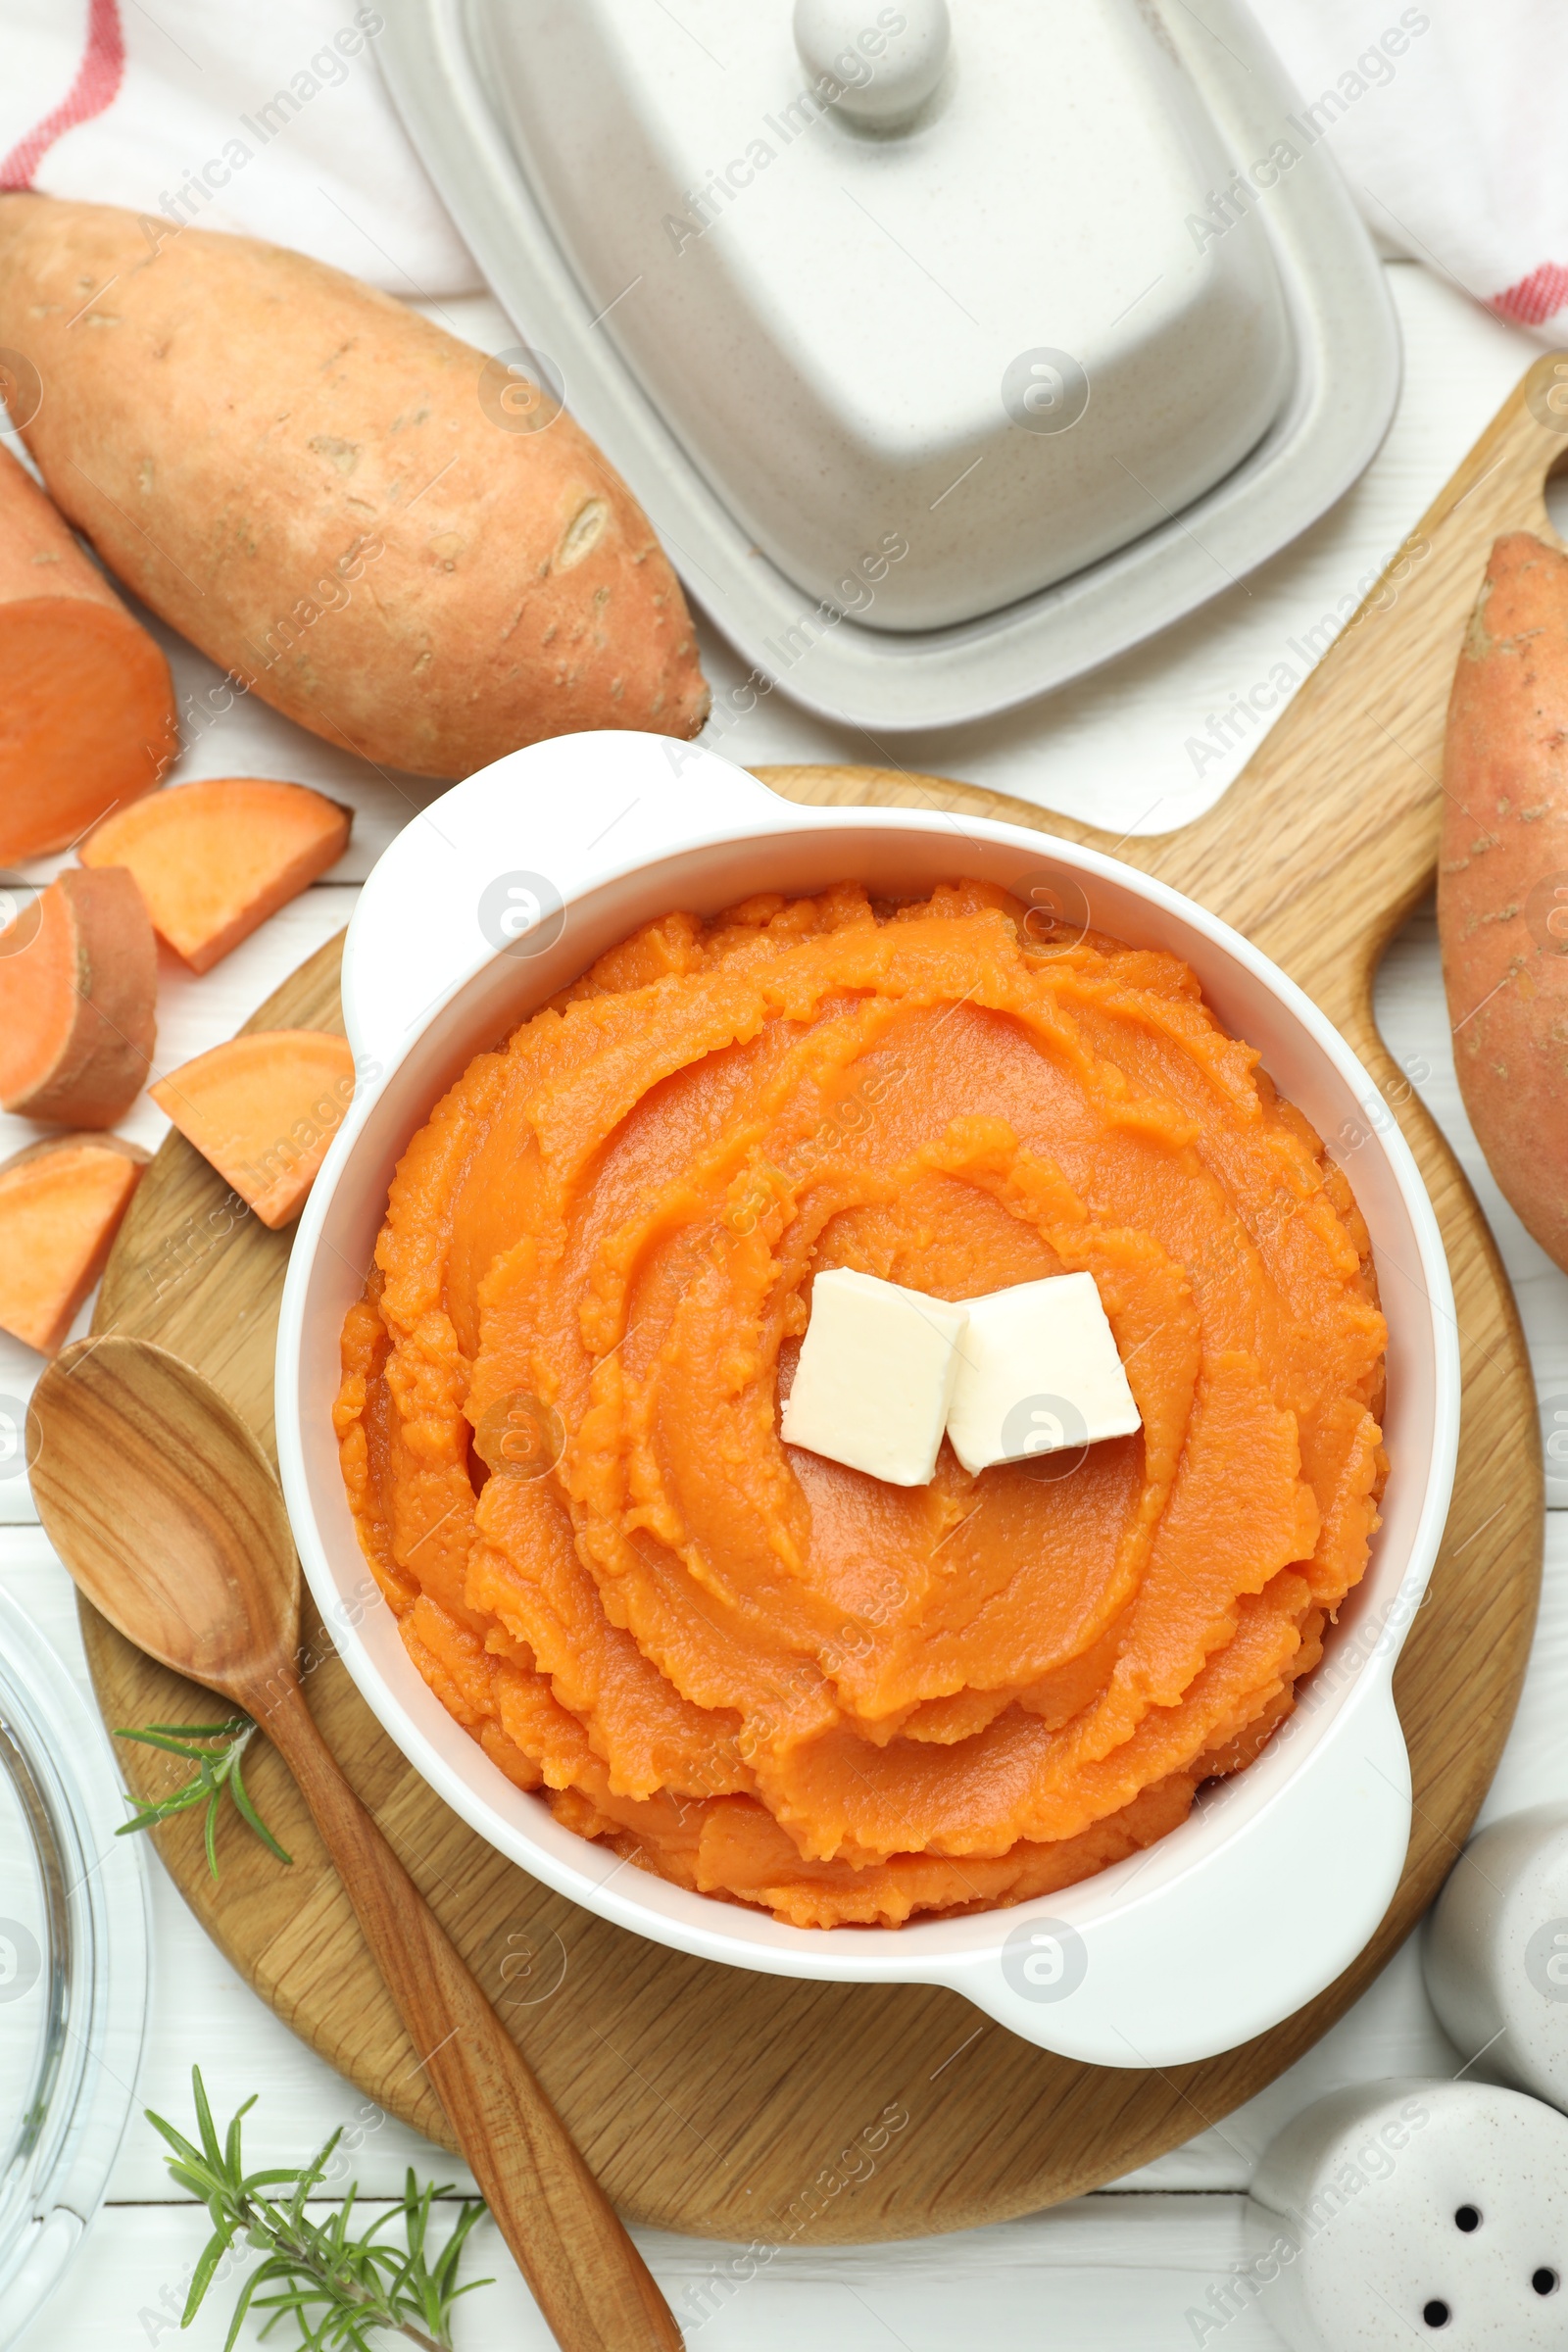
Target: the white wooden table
(1132, 749)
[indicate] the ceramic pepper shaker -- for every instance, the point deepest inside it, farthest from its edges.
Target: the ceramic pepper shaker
(1406, 2210)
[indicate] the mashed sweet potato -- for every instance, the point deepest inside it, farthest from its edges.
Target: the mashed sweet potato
(752, 1671)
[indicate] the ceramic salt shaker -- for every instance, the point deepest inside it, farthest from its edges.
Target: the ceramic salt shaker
(1497, 1953)
(1408, 2209)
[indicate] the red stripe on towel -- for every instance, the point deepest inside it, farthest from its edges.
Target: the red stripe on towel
(95, 88)
(1536, 298)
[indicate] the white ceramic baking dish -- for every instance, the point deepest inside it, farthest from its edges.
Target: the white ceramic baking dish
(929, 418)
(1282, 1873)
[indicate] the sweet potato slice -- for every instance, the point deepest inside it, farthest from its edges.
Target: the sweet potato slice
(61, 1203)
(1502, 878)
(79, 983)
(87, 715)
(214, 859)
(264, 1108)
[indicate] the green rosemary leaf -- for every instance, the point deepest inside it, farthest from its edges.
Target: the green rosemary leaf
(203, 2120)
(216, 1769)
(241, 1796)
(201, 2277)
(153, 1809)
(451, 2254)
(159, 1735)
(246, 2293)
(232, 2137)
(176, 2140)
(197, 1731)
(341, 2286)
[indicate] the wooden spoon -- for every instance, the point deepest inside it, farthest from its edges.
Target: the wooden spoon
(166, 1513)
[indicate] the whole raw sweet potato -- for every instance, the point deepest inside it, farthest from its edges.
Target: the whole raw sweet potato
(333, 499)
(1502, 879)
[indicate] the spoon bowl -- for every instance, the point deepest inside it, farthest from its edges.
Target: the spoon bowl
(166, 1511)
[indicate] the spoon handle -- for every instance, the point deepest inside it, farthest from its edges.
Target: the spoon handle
(588, 2279)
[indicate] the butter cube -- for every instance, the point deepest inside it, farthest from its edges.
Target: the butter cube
(875, 1376)
(1038, 1373)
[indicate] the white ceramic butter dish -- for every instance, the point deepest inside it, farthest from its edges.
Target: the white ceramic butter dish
(933, 407)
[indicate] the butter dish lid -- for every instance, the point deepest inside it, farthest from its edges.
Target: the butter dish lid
(981, 332)
(933, 409)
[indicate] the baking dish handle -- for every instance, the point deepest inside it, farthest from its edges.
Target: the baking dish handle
(1238, 1941)
(490, 866)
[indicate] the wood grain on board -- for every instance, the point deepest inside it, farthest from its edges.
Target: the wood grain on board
(751, 2107)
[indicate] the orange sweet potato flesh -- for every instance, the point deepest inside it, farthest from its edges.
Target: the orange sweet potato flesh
(214, 859)
(79, 987)
(60, 1205)
(319, 489)
(1502, 879)
(751, 1670)
(87, 713)
(263, 1108)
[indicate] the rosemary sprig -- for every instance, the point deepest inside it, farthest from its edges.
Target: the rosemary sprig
(337, 2286)
(216, 1769)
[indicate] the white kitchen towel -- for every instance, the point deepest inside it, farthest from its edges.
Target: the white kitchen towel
(273, 119)
(267, 117)
(1446, 121)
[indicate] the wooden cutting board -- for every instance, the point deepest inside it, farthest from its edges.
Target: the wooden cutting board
(751, 2107)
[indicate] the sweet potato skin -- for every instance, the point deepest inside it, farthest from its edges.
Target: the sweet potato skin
(100, 1065)
(298, 473)
(87, 717)
(39, 556)
(1502, 879)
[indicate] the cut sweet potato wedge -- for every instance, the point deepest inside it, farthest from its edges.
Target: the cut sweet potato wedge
(61, 1203)
(215, 858)
(87, 717)
(264, 1108)
(78, 984)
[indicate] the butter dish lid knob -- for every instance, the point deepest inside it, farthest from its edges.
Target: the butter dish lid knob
(886, 61)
